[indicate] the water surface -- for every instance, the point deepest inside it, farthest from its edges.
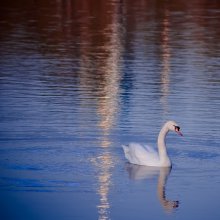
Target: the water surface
(80, 78)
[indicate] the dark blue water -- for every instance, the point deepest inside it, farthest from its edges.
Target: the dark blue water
(79, 79)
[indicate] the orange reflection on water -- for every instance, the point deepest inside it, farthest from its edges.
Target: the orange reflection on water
(166, 54)
(108, 109)
(105, 165)
(109, 95)
(107, 66)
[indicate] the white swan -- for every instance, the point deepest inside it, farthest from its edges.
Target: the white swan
(147, 156)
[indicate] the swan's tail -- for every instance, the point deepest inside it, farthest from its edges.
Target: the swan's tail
(126, 151)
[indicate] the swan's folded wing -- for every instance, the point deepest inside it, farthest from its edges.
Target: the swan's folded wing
(128, 153)
(150, 149)
(140, 154)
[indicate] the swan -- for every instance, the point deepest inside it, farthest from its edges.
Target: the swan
(144, 155)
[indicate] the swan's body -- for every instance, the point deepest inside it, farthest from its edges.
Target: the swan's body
(147, 156)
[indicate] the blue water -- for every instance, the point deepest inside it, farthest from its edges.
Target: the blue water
(79, 79)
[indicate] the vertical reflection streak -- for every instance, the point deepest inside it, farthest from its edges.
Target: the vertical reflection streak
(105, 164)
(99, 83)
(165, 78)
(107, 110)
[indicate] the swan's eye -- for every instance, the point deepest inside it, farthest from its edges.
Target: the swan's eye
(177, 128)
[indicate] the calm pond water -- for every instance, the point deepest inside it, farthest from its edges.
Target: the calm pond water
(80, 78)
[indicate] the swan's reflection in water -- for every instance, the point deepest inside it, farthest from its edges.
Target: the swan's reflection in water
(137, 172)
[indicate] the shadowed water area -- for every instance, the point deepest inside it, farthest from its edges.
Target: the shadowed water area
(78, 79)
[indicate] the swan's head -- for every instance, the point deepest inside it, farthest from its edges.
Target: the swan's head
(173, 126)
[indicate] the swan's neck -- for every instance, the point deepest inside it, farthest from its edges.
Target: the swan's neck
(162, 150)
